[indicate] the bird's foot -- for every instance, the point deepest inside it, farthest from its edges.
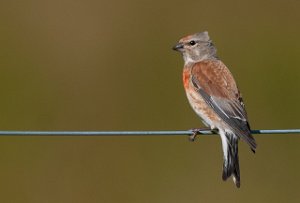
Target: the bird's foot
(195, 132)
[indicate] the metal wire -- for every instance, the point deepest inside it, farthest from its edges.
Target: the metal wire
(132, 133)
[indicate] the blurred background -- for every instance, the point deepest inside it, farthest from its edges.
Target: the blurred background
(108, 65)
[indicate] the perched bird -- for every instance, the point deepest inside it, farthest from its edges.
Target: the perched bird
(213, 94)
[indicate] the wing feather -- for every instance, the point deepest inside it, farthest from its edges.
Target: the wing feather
(214, 82)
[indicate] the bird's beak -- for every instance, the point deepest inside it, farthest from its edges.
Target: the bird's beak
(178, 47)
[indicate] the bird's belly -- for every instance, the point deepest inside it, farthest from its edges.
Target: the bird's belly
(205, 112)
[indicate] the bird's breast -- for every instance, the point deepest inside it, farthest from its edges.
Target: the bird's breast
(198, 104)
(186, 77)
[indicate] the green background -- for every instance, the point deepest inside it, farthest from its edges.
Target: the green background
(108, 65)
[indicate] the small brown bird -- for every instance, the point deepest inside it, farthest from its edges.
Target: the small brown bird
(214, 96)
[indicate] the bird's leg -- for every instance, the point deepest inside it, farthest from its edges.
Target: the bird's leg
(215, 130)
(195, 132)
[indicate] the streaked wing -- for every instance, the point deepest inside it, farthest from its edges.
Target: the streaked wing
(216, 85)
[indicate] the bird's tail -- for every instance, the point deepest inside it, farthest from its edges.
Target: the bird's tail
(231, 158)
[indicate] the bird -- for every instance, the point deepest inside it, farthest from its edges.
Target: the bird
(214, 96)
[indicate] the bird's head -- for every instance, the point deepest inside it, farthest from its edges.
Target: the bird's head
(196, 47)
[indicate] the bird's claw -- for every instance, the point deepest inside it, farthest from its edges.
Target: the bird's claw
(192, 137)
(195, 132)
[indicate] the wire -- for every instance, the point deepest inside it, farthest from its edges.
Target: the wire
(130, 133)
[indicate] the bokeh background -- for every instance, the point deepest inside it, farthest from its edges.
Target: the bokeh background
(108, 65)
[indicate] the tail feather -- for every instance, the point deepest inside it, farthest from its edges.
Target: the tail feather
(231, 159)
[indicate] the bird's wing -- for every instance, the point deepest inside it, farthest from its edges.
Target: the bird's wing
(214, 82)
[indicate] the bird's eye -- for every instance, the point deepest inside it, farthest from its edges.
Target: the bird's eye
(192, 42)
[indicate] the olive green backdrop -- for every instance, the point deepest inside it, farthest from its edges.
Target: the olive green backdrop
(108, 65)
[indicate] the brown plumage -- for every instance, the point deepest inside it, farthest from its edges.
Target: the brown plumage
(214, 96)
